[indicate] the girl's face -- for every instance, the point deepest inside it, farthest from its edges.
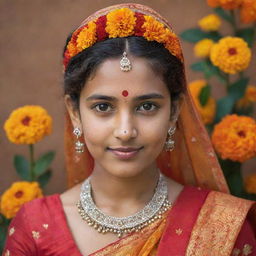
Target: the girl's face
(124, 117)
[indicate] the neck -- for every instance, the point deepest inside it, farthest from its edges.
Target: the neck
(116, 194)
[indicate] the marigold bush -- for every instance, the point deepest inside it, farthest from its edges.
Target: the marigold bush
(234, 138)
(231, 54)
(208, 111)
(18, 194)
(248, 11)
(250, 183)
(225, 4)
(28, 125)
(203, 48)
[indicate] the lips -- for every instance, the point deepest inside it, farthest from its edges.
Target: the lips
(125, 152)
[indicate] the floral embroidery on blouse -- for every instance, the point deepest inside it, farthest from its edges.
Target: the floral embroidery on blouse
(45, 226)
(179, 231)
(7, 253)
(35, 234)
(11, 231)
(236, 252)
(247, 250)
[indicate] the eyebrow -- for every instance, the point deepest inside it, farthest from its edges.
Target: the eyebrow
(138, 98)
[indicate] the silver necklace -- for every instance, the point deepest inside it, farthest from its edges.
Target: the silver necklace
(123, 225)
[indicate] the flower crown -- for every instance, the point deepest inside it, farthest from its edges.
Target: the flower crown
(121, 23)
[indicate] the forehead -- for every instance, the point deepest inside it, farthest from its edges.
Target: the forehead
(109, 79)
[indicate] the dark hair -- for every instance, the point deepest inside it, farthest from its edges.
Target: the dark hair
(81, 67)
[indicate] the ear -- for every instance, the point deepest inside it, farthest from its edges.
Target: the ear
(73, 112)
(175, 111)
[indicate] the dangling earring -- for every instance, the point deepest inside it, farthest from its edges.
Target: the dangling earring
(170, 143)
(79, 146)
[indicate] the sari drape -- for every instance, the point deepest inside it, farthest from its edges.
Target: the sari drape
(190, 227)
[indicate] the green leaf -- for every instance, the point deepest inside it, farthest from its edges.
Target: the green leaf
(224, 107)
(193, 35)
(204, 95)
(44, 178)
(43, 163)
(22, 167)
(206, 67)
(232, 172)
(247, 34)
(224, 15)
(237, 89)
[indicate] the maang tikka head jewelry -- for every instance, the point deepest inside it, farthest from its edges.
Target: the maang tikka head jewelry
(125, 64)
(79, 146)
(170, 143)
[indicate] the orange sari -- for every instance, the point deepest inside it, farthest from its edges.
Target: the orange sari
(193, 227)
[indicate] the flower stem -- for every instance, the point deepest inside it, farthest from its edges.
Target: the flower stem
(232, 12)
(32, 161)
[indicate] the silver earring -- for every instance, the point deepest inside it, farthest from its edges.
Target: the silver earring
(170, 143)
(125, 64)
(79, 146)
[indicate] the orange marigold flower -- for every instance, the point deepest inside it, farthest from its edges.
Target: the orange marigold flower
(207, 111)
(249, 97)
(154, 30)
(72, 50)
(120, 23)
(87, 36)
(231, 54)
(28, 125)
(18, 194)
(172, 44)
(234, 138)
(250, 183)
(230, 4)
(203, 48)
(248, 11)
(213, 3)
(210, 22)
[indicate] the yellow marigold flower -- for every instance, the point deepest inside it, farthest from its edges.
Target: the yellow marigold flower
(250, 184)
(213, 3)
(207, 111)
(28, 125)
(249, 97)
(154, 30)
(120, 23)
(234, 138)
(18, 194)
(87, 36)
(248, 11)
(230, 4)
(210, 23)
(231, 54)
(203, 48)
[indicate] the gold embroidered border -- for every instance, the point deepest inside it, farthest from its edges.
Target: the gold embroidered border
(218, 225)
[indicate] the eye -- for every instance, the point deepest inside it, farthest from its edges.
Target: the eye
(102, 107)
(147, 107)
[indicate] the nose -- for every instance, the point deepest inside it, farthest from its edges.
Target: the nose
(125, 127)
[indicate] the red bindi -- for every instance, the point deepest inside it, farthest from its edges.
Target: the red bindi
(125, 93)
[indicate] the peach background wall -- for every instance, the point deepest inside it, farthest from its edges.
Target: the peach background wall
(32, 34)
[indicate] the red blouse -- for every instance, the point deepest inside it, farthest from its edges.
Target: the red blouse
(40, 228)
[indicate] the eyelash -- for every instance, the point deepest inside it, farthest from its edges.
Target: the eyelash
(154, 105)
